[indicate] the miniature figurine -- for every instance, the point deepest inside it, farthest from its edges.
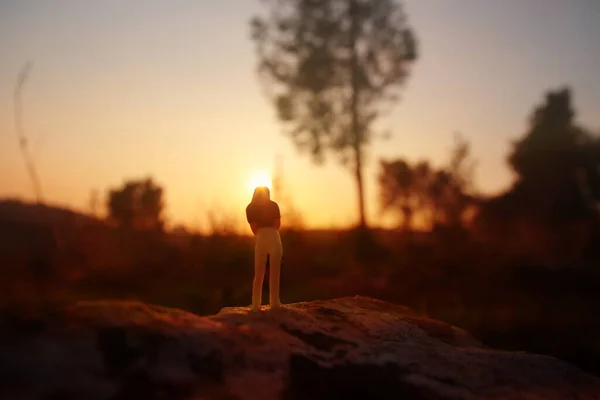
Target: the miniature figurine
(264, 218)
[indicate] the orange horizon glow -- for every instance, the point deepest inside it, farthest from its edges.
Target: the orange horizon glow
(126, 90)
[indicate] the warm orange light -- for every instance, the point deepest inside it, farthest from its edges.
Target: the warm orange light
(259, 178)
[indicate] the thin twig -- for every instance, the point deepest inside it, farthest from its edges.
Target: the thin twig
(21, 79)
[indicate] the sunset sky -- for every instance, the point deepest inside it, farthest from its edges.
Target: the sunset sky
(125, 89)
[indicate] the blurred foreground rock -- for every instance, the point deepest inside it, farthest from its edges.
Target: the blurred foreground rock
(349, 348)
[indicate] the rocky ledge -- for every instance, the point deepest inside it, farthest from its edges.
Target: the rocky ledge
(349, 348)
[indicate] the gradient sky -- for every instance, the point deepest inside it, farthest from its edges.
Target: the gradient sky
(124, 89)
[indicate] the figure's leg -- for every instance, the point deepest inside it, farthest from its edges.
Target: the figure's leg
(274, 278)
(260, 261)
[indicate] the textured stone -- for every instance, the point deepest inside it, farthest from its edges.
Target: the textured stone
(339, 349)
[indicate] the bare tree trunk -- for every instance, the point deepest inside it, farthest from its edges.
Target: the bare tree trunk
(361, 190)
(356, 128)
(21, 136)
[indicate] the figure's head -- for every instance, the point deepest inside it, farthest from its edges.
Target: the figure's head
(261, 194)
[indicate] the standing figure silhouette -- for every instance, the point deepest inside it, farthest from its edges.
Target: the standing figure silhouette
(265, 219)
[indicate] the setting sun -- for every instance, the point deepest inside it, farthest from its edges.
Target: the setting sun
(259, 178)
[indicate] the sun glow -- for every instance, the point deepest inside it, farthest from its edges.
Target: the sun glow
(259, 178)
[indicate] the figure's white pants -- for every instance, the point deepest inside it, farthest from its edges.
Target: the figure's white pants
(268, 243)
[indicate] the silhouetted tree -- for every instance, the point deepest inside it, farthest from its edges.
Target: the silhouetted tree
(438, 197)
(396, 185)
(462, 197)
(553, 204)
(461, 165)
(551, 143)
(137, 205)
(554, 158)
(330, 67)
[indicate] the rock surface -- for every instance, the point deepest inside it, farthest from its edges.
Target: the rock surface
(349, 348)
